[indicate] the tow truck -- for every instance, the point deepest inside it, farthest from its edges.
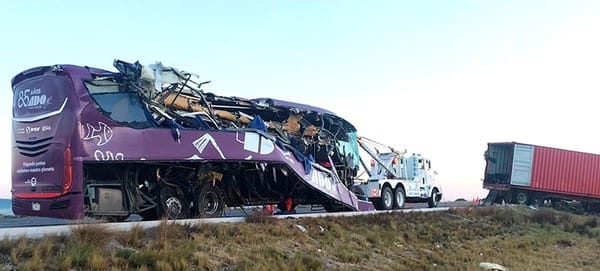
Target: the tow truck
(395, 178)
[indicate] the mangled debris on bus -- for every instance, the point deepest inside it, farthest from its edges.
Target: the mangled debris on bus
(176, 100)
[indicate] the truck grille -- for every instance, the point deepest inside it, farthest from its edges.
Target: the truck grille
(33, 148)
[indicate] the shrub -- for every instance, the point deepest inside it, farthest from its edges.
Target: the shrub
(92, 234)
(131, 238)
(545, 216)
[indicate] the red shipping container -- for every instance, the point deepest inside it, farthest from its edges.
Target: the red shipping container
(565, 172)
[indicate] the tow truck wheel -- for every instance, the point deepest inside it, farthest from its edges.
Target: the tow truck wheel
(399, 198)
(210, 202)
(386, 202)
(433, 202)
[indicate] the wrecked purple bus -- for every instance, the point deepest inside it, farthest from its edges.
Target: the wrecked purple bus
(149, 140)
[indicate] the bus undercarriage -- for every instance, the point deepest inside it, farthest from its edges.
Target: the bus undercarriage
(191, 189)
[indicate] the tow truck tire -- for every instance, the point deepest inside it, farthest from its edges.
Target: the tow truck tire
(399, 198)
(210, 201)
(386, 202)
(433, 202)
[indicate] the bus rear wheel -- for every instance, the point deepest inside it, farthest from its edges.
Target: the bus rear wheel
(210, 201)
(172, 206)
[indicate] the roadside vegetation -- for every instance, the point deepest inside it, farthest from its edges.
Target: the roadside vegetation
(518, 238)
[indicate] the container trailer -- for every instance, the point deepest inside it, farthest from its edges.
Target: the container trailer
(531, 174)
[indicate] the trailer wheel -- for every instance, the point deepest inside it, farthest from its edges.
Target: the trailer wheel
(399, 198)
(210, 201)
(432, 202)
(521, 197)
(386, 202)
(171, 206)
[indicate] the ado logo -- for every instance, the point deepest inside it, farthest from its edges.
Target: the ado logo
(29, 98)
(321, 180)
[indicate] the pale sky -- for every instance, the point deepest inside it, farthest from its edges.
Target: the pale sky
(440, 78)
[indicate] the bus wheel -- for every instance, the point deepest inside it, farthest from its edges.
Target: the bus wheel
(210, 201)
(399, 198)
(172, 206)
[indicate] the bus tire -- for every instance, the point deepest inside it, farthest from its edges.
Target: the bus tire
(172, 206)
(210, 201)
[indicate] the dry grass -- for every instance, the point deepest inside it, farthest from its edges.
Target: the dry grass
(519, 238)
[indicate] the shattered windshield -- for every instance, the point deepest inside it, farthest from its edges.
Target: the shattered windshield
(350, 149)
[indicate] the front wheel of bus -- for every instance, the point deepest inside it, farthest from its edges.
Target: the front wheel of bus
(172, 206)
(210, 201)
